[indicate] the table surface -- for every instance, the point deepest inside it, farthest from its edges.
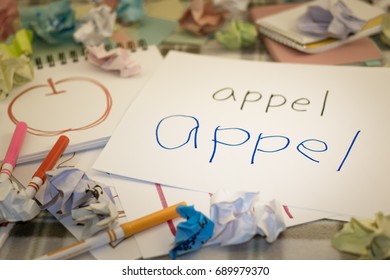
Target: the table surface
(44, 234)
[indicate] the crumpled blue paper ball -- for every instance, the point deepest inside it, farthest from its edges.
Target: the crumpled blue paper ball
(54, 23)
(193, 233)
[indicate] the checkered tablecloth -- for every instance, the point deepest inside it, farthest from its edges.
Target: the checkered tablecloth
(44, 234)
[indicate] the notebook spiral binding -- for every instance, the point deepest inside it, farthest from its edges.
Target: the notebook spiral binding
(75, 55)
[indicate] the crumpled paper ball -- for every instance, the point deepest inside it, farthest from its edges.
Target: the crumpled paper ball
(331, 20)
(69, 191)
(15, 66)
(129, 11)
(238, 34)
(54, 23)
(202, 18)
(19, 44)
(118, 59)
(238, 216)
(96, 27)
(15, 204)
(14, 71)
(368, 239)
(193, 233)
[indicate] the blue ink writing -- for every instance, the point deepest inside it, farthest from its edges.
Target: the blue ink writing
(268, 151)
(349, 150)
(172, 127)
(218, 129)
(302, 145)
(193, 132)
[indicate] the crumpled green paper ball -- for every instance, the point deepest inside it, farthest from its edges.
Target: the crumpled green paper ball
(20, 43)
(15, 65)
(237, 35)
(14, 71)
(369, 239)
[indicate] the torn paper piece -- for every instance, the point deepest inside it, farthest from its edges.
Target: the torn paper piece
(368, 239)
(202, 18)
(69, 191)
(130, 11)
(193, 233)
(15, 204)
(333, 20)
(238, 34)
(96, 27)
(116, 59)
(8, 15)
(54, 23)
(238, 216)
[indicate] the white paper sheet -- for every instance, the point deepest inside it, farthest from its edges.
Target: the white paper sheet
(309, 136)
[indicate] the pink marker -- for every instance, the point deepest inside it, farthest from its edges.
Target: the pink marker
(11, 157)
(47, 164)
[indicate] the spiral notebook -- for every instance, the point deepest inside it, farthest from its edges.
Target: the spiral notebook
(282, 27)
(70, 96)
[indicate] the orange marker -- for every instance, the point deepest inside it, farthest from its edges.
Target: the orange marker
(48, 163)
(123, 231)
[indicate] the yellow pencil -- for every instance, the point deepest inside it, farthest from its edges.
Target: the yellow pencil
(123, 231)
